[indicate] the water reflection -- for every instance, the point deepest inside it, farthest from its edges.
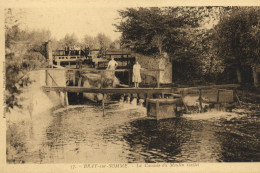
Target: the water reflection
(124, 134)
(240, 140)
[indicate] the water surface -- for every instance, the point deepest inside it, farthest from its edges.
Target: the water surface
(81, 134)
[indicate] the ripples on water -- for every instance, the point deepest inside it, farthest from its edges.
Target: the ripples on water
(82, 134)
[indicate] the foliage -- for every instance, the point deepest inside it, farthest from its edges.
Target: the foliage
(115, 44)
(90, 42)
(238, 31)
(104, 43)
(153, 30)
(15, 140)
(69, 40)
(175, 30)
(24, 51)
(101, 41)
(233, 31)
(194, 37)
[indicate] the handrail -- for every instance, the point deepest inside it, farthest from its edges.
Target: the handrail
(112, 70)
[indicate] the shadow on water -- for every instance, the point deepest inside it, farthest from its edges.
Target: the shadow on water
(240, 140)
(172, 140)
(153, 141)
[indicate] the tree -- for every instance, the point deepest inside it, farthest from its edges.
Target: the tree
(90, 42)
(115, 44)
(153, 30)
(251, 49)
(157, 41)
(238, 31)
(104, 43)
(69, 40)
(175, 30)
(24, 51)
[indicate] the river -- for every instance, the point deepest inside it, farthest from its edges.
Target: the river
(82, 134)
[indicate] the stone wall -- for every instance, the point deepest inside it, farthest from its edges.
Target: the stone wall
(154, 63)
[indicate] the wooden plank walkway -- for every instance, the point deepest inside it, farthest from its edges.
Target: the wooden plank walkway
(132, 90)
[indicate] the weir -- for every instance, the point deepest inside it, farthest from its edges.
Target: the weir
(160, 102)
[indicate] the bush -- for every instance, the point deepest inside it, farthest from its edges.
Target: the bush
(15, 142)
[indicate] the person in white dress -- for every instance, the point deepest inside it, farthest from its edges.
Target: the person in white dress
(136, 74)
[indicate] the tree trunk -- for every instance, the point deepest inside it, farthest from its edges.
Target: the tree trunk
(255, 76)
(210, 68)
(239, 76)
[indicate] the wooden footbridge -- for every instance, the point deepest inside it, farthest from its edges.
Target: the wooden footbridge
(176, 93)
(174, 90)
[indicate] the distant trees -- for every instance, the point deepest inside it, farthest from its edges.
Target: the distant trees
(100, 41)
(115, 44)
(104, 43)
(90, 42)
(69, 40)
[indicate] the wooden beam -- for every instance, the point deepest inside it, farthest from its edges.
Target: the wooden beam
(108, 90)
(164, 100)
(208, 87)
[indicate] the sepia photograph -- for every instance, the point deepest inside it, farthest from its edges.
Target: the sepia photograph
(157, 84)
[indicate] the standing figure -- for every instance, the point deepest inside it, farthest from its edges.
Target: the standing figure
(136, 74)
(112, 64)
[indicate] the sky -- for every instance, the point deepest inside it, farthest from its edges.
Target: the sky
(81, 21)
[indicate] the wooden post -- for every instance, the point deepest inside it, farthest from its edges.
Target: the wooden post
(146, 101)
(46, 77)
(49, 53)
(237, 98)
(218, 97)
(129, 77)
(186, 107)
(103, 104)
(66, 102)
(158, 79)
(200, 100)
(217, 105)
(74, 77)
(157, 108)
(60, 99)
